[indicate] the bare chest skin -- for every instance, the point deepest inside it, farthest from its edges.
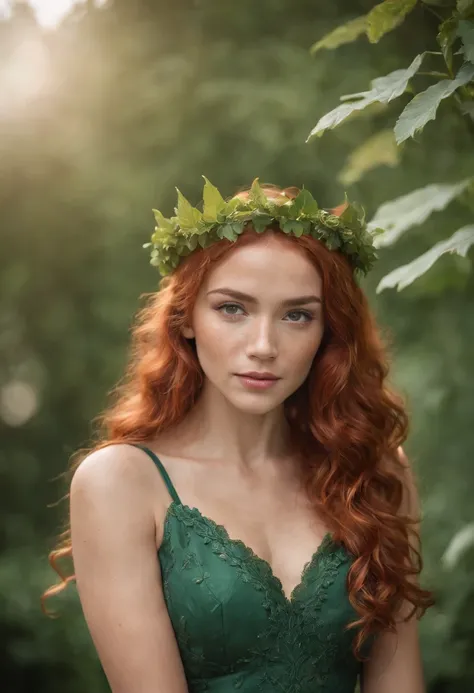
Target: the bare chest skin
(271, 515)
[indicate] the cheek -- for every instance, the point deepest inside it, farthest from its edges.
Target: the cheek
(301, 352)
(215, 342)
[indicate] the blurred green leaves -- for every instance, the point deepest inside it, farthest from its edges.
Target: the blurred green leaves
(387, 16)
(383, 90)
(381, 19)
(413, 209)
(342, 34)
(459, 243)
(379, 149)
(421, 109)
(424, 105)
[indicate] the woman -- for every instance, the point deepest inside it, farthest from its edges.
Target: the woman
(254, 447)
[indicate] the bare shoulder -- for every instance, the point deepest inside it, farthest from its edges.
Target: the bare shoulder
(118, 463)
(118, 574)
(411, 502)
(123, 475)
(402, 467)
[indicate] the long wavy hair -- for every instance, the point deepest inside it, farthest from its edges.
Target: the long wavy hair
(346, 423)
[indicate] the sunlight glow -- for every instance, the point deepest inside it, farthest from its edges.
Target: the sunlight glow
(49, 13)
(18, 402)
(25, 77)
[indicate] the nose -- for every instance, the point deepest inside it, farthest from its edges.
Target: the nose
(262, 340)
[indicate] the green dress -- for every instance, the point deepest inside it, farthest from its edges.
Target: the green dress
(235, 628)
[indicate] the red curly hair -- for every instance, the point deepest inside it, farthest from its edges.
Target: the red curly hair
(347, 425)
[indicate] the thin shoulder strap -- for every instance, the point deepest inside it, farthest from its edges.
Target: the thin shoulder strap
(162, 470)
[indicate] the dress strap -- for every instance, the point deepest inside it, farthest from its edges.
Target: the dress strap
(162, 470)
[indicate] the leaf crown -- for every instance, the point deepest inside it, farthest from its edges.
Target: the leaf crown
(176, 237)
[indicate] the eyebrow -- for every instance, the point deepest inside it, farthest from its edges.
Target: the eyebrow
(298, 300)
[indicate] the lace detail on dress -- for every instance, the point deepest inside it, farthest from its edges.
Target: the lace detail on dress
(297, 650)
(251, 568)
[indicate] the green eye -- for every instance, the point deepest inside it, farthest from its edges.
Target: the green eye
(309, 317)
(228, 305)
(301, 312)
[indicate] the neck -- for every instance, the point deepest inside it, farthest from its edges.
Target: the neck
(252, 442)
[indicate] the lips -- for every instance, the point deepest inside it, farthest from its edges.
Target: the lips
(254, 383)
(259, 376)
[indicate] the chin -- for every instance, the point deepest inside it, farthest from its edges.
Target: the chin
(255, 403)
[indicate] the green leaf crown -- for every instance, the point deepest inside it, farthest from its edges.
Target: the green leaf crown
(178, 236)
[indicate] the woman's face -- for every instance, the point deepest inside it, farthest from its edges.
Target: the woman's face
(247, 317)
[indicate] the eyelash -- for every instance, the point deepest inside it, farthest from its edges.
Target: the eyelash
(302, 312)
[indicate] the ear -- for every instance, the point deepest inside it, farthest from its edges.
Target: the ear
(187, 332)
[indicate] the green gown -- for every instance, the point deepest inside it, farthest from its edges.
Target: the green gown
(235, 627)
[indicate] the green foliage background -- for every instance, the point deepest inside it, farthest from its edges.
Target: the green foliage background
(145, 96)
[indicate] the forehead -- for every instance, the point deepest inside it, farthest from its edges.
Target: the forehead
(266, 266)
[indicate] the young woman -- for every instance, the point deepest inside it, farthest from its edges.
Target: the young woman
(248, 520)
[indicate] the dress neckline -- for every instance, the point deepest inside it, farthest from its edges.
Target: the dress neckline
(327, 545)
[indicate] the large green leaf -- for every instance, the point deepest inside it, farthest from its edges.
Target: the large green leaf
(466, 33)
(213, 201)
(387, 16)
(422, 108)
(399, 215)
(188, 216)
(459, 243)
(346, 33)
(383, 89)
(305, 204)
(379, 149)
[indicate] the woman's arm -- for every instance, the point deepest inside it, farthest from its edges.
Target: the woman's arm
(118, 573)
(395, 662)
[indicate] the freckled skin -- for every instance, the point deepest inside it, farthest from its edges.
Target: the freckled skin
(259, 336)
